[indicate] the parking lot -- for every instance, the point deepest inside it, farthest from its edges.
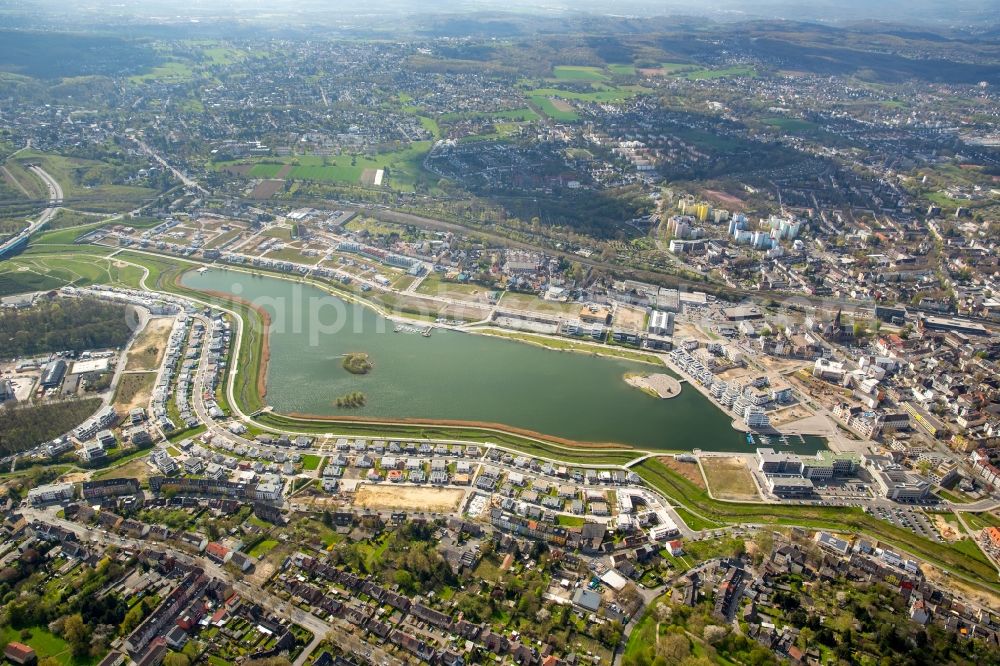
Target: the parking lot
(914, 520)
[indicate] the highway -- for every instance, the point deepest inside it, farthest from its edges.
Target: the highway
(55, 201)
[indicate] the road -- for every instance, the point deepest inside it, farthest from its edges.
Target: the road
(338, 630)
(181, 176)
(55, 201)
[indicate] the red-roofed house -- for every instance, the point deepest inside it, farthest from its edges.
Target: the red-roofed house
(217, 552)
(19, 653)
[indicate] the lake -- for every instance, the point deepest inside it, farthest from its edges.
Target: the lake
(453, 375)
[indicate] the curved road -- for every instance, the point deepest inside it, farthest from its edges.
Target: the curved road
(55, 201)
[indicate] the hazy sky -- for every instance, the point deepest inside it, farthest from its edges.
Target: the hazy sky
(955, 12)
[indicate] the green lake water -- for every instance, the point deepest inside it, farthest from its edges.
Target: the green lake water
(462, 376)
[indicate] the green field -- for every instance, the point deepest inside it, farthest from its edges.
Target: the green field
(58, 267)
(599, 93)
(675, 67)
(265, 170)
(403, 167)
(980, 521)
(570, 521)
(545, 105)
(622, 70)
(173, 71)
(695, 522)
(578, 73)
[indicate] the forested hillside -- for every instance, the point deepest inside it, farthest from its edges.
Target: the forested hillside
(62, 324)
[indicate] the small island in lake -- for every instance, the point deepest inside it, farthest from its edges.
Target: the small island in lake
(351, 400)
(657, 385)
(357, 363)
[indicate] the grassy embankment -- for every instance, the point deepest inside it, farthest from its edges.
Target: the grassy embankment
(972, 565)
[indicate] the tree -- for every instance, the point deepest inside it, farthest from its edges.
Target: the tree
(806, 636)
(75, 633)
(673, 647)
(133, 617)
(714, 633)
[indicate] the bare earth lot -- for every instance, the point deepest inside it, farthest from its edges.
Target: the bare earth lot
(633, 318)
(135, 389)
(408, 497)
(729, 478)
(147, 351)
(688, 470)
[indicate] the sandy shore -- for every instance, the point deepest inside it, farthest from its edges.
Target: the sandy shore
(659, 384)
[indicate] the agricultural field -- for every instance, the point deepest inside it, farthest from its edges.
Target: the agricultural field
(622, 69)
(578, 73)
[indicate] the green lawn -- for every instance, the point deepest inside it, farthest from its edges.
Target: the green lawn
(46, 644)
(571, 521)
(695, 522)
(262, 548)
(58, 267)
(979, 521)
(311, 462)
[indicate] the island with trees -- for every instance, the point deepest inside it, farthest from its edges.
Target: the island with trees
(357, 363)
(351, 400)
